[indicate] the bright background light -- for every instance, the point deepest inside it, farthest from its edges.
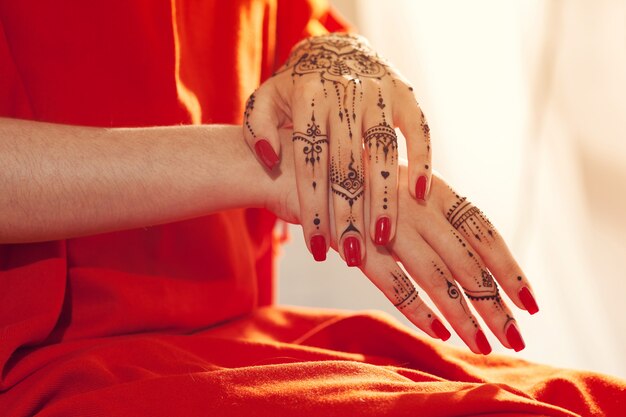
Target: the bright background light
(524, 100)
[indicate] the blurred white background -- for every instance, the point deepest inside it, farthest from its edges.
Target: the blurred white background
(525, 103)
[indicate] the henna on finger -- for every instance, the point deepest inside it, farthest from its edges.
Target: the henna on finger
(404, 291)
(484, 288)
(381, 143)
(349, 184)
(313, 143)
(467, 218)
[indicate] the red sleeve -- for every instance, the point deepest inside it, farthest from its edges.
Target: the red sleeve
(297, 20)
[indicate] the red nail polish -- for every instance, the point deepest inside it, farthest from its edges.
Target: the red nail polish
(352, 251)
(318, 248)
(266, 153)
(383, 230)
(528, 300)
(515, 338)
(482, 343)
(420, 187)
(440, 330)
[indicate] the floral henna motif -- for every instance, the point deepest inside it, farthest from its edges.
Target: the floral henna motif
(313, 140)
(348, 184)
(337, 58)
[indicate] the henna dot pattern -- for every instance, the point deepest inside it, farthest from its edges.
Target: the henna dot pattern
(349, 184)
(468, 219)
(381, 137)
(404, 291)
(317, 221)
(453, 291)
(247, 112)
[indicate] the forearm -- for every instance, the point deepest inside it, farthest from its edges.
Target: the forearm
(65, 181)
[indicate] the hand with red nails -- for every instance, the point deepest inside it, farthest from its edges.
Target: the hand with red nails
(341, 97)
(447, 247)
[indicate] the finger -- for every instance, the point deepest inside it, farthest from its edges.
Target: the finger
(408, 116)
(261, 123)
(310, 147)
(476, 280)
(390, 279)
(346, 174)
(470, 222)
(432, 274)
(381, 145)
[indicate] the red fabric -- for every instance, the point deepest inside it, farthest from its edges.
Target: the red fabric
(295, 362)
(163, 320)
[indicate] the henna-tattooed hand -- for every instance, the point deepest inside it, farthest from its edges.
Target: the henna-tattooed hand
(340, 97)
(449, 248)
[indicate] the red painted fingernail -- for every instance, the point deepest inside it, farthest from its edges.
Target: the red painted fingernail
(383, 230)
(266, 153)
(352, 251)
(440, 330)
(515, 338)
(483, 344)
(318, 248)
(528, 300)
(420, 187)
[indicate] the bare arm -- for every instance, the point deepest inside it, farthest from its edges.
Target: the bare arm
(60, 181)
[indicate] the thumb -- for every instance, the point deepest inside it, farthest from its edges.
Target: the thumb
(260, 127)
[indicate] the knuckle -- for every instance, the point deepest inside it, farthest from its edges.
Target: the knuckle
(371, 84)
(305, 88)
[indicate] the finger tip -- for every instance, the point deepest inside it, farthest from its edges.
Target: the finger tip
(266, 153)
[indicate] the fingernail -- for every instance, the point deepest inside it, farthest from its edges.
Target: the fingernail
(266, 153)
(515, 338)
(482, 343)
(420, 187)
(383, 230)
(440, 330)
(352, 251)
(318, 248)
(528, 300)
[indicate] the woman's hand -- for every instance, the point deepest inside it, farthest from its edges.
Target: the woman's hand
(450, 249)
(339, 95)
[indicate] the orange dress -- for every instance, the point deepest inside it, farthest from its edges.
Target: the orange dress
(168, 320)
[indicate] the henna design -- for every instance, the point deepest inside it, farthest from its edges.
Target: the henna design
(385, 139)
(342, 59)
(336, 57)
(486, 284)
(467, 218)
(385, 198)
(404, 290)
(317, 221)
(349, 186)
(247, 112)
(313, 139)
(382, 135)
(454, 293)
(425, 130)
